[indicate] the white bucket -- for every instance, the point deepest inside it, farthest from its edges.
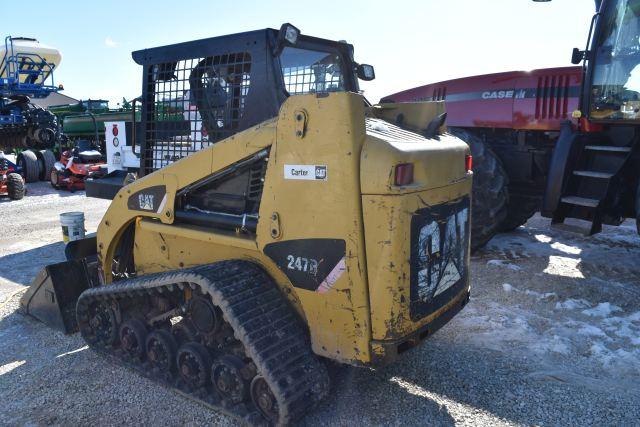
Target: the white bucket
(72, 226)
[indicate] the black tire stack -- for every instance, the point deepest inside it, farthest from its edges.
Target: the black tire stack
(28, 162)
(46, 160)
(36, 165)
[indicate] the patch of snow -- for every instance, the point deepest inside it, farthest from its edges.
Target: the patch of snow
(503, 263)
(591, 331)
(543, 238)
(571, 250)
(635, 317)
(572, 304)
(8, 367)
(556, 344)
(541, 296)
(564, 266)
(604, 309)
(507, 287)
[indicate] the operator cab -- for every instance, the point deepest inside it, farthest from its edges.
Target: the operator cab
(615, 70)
(197, 93)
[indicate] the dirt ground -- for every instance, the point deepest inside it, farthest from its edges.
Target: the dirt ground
(550, 337)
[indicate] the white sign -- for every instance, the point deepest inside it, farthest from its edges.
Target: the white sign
(116, 139)
(306, 172)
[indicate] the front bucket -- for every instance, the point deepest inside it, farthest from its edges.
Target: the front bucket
(53, 294)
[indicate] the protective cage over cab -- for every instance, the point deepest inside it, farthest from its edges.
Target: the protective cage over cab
(199, 92)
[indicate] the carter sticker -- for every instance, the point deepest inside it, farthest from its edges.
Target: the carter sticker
(306, 172)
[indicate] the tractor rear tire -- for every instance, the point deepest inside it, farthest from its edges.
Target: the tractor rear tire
(46, 160)
(519, 210)
(490, 190)
(28, 161)
(15, 186)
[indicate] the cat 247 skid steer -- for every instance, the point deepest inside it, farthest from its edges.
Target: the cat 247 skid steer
(278, 222)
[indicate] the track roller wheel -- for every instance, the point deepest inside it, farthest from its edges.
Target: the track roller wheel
(183, 332)
(263, 398)
(162, 350)
(194, 365)
(205, 317)
(133, 336)
(103, 326)
(229, 377)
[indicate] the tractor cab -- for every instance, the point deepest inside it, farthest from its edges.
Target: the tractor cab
(197, 93)
(613, 77)
(594, 170)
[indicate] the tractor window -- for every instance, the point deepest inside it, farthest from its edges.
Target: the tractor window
(311, 71)
(192, 104)
(97, 105)
(616, 77)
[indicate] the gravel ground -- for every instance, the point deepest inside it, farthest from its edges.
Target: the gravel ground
(550, 337)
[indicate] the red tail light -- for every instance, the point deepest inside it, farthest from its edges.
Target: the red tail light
(468, 162)
(404, 174)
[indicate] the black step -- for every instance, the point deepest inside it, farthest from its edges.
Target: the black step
(611, 148)
(580, 201)
(594, 174)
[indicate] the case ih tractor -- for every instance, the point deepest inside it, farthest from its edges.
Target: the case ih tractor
(560, 140)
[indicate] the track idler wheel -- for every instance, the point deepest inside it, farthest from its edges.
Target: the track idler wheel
(103, 326)
(194, 365)
(162, 350)
(229, 377)
(204, 316)
(133, 336)
(263, 398)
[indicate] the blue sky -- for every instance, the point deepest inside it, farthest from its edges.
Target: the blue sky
(409, 42)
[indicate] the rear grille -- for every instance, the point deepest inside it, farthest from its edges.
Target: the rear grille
(552, 96)
(439, 256)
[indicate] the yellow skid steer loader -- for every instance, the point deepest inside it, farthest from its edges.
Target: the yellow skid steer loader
(279, 221)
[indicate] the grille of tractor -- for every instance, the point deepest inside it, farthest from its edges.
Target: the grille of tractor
(192, 104)
(552, 97)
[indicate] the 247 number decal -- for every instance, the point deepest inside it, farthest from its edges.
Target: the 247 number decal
(306, 265)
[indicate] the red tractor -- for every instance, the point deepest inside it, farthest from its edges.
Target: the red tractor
(511, 121)
(564, 141)
(76, 165)
(11, 182)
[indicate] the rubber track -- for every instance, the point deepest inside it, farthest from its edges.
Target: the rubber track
(271, 332)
